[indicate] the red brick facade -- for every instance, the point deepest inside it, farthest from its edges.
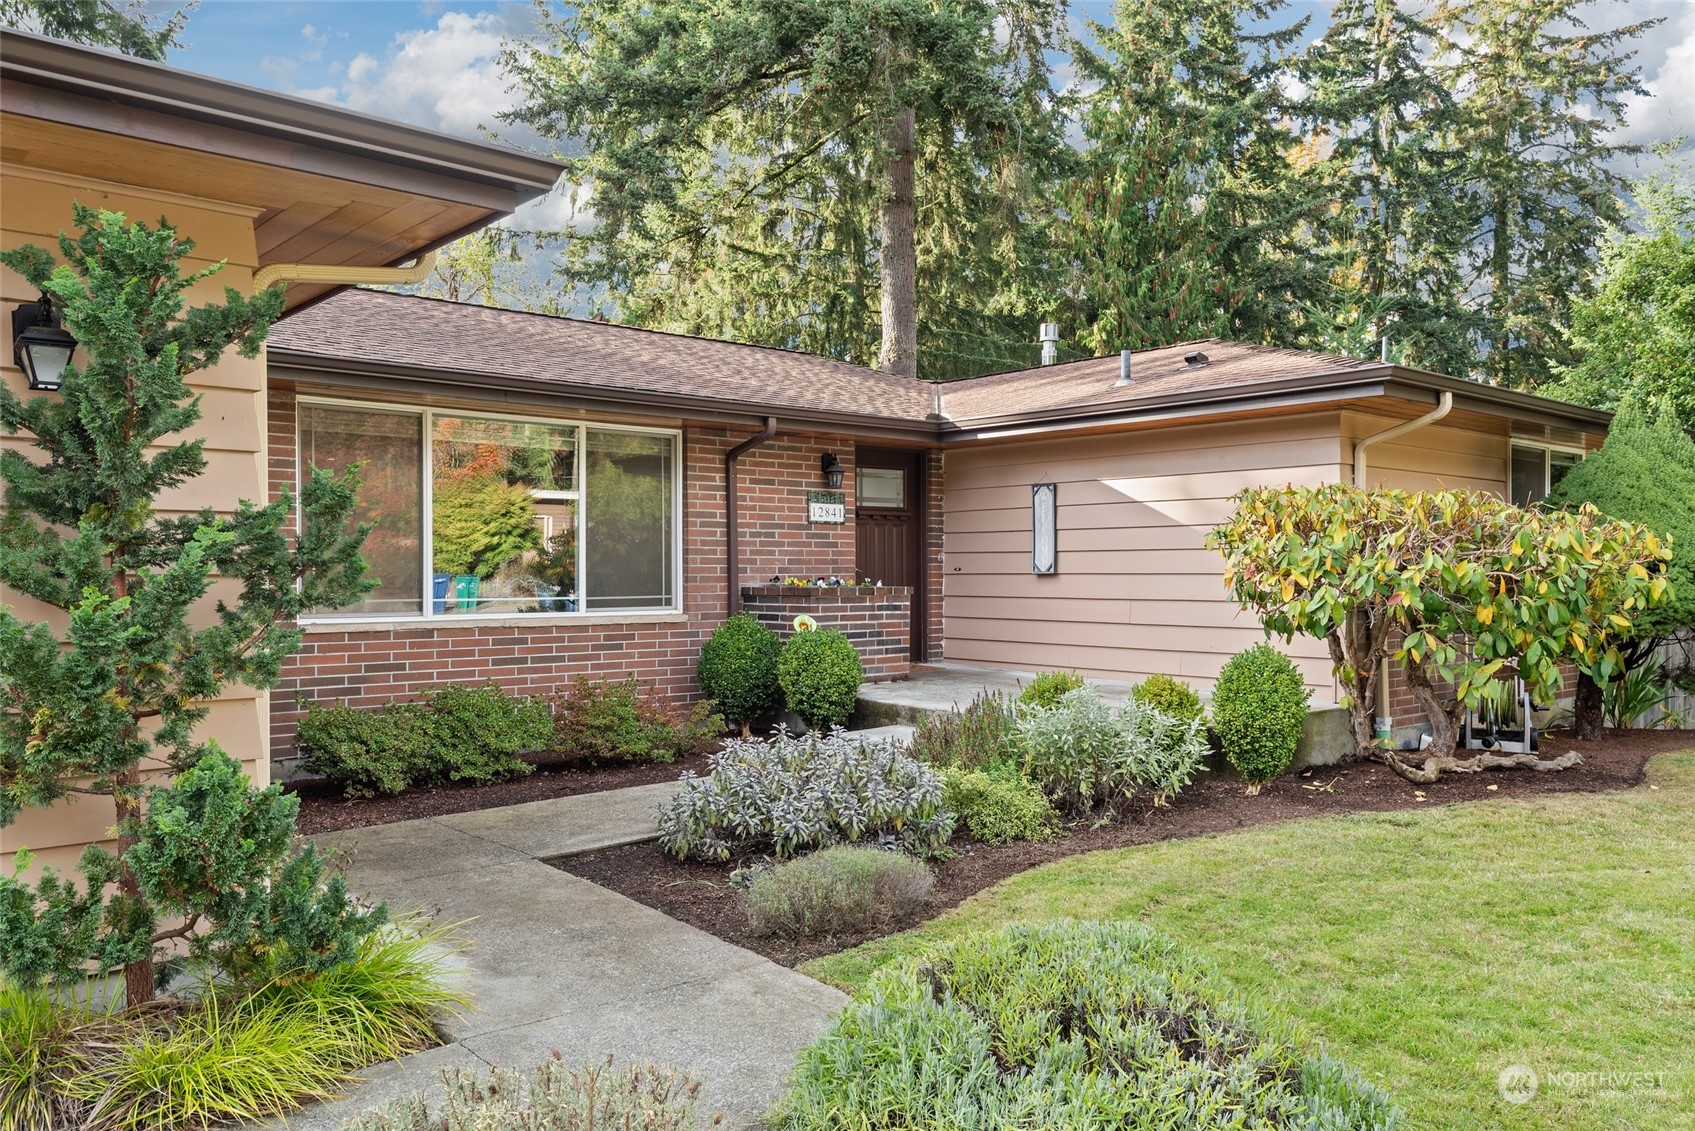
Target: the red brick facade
(367, 664)
(878, 621)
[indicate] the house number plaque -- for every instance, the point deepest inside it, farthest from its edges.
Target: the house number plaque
(826, 507)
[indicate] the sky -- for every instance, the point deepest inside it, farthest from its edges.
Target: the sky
(434, 63)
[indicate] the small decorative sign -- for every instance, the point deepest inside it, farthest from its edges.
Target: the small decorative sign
(1044, 528)
(828, 507)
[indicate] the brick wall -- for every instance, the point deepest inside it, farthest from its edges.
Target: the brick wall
(935, 647)
(368, 664)
(878, 621)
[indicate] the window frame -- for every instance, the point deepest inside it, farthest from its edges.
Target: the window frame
(428, 617)
(1547, 449)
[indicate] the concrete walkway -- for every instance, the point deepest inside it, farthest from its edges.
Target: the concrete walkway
(936, 689)
(558, 962)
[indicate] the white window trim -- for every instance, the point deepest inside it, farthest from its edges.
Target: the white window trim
(1547, 463)
(428, 617)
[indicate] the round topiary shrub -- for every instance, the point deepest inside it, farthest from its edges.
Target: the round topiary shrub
(820, 675)
(1170, 697)
(1047, 689)
(738, 669)
(1073, 1025)
(1258, 709)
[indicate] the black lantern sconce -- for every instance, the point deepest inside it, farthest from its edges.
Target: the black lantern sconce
(41, 347)
(833, 471)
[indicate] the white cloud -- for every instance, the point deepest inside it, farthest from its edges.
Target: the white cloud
(1668, 110)
(445, 77)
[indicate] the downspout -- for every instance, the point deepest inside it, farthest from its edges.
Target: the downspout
(275, 273)
(731, 547)
(1385, 723)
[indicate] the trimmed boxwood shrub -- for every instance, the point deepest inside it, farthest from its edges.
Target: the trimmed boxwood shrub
(1169, 697)
(1083, 1026)
(845, 890)
(1047, 689)
(738, 669)
(792, 794)
(454, 733)
(1258, 710)
(820, 674)
(998, 806)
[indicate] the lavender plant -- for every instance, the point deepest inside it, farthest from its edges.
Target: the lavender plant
(1086, 757)
(793, 794)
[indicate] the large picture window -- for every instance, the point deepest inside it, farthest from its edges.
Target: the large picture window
(497, 516)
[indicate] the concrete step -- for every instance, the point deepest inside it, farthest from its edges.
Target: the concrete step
(938, 689)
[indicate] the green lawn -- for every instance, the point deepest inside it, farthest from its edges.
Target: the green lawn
(1431, 948)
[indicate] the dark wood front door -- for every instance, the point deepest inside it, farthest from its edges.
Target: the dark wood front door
(889, 493)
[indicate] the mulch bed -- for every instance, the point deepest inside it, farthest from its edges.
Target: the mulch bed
(700, 894)
(323, 809)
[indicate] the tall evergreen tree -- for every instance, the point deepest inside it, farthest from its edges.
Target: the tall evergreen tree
(786, 173)
(128, 27)
(1385, 123)
(1539, 99)
(1635, 337)
(1191, 125)
(109, 698)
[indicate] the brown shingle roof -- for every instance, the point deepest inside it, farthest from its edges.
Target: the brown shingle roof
(472, 346)
(393, 330)
(1154, 373)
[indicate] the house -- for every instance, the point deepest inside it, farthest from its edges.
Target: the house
(938, 484)
(257, 180)
(557, 497)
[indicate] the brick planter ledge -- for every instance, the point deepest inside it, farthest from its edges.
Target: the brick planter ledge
(878, 620)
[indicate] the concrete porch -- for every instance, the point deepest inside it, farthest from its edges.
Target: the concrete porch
(936, 689)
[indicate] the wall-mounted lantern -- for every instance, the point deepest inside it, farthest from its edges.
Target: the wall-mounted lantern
(833, 471)
(41, 347)
(1044, 528)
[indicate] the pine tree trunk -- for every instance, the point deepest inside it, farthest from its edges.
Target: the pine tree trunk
(1586, 710)
(899, 255)
(138, 976)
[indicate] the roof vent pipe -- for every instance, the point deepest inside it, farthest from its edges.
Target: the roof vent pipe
(1123, 369)
(1049, 337)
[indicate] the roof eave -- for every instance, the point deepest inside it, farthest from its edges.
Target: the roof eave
(1333, 385)
(362, 374)
(107, 76)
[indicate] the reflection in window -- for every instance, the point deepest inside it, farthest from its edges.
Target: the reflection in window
(630, 563)
(390, 447)
(502, 501)
(522, 516)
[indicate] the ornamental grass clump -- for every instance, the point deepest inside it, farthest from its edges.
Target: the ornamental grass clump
(190, 1062)
(1086, 757)
(1083, 1026)
(555, 1097)
(845, 890)
(789, 795)
(1258, 709)
(738, 670)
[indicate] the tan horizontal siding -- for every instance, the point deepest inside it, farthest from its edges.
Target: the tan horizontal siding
(1137, 591)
